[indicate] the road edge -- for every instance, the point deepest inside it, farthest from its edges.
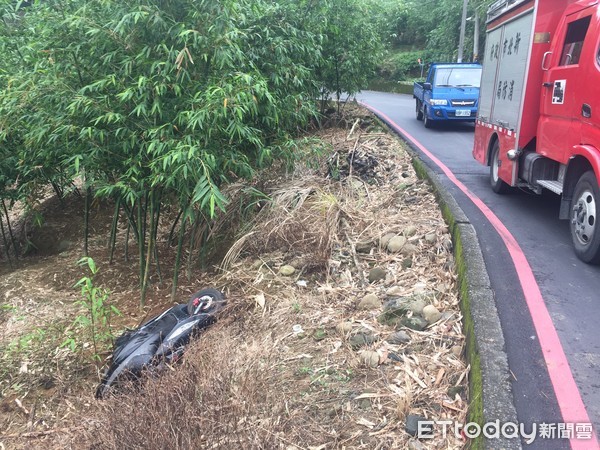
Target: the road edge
(489, 381)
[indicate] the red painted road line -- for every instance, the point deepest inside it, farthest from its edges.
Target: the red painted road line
(567, 394)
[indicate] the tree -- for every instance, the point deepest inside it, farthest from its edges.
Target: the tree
(351, 50)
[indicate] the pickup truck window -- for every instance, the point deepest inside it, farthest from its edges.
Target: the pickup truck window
(457, 77)
(574, 41)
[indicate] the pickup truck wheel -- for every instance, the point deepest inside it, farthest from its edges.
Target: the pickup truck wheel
(584, 211)
(426, 120)
(498, 185)
(419, 111)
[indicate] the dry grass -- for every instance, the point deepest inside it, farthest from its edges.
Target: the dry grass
(301, 220)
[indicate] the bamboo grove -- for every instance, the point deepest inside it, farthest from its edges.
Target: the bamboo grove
(156, 103)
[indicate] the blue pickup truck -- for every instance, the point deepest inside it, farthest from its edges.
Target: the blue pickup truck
(450, 93)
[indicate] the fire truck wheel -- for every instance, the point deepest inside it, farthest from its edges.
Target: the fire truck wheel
(426, 120)
(498, 186)
(419, 110)
(584, 207)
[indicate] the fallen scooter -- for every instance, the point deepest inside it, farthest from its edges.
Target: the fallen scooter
(161, 340)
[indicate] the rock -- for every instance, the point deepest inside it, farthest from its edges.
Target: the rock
(393, 310)
(409, 249)
(430, 238)
(456, 350)
(447, 315)
(369, 358)
(405, 175)
(319, 334)
(394, 291)
(453, 390)
(357, 185)
(411, 199)
(297, 263)
(431, 314)
(287, 270)
(407, 263)
(444, 287)
(370, 301)
(393, 356)
(376, 274)
(385, 239)
(396, 243)
(256, 264)
(419, 288)
(398, 307)
(414, 323)
(417, 305)
(344, 327)
(399, 337)
(411, 230)
(413, 444)
(363, 246)
(361, 339)
(411, 425)
(365, 403)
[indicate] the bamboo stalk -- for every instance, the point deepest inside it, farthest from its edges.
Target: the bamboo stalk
(155, 232)
(86, 220)
(192, 245)
(178, 260)
(132, 221)
(172, 232)
(59, 192)
(149, 249)
(5, 241)
(16, 248)
(141, 247)
(127, 241)
(113, 230)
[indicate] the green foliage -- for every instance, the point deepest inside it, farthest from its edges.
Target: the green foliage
(150, 101)
(428, 30)
(400, 66)
(155, 102)
(351, 50)
(95, 323)
(33, 358)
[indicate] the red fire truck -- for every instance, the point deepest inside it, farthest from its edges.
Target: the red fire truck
(538, 124)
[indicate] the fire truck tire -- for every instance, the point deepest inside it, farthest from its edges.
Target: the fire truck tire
(498, 185)
(426, 120)
(419, 111)
(585, 232)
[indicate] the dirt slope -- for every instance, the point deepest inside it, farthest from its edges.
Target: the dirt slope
(343, 321)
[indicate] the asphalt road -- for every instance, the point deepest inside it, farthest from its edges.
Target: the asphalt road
(570, 288)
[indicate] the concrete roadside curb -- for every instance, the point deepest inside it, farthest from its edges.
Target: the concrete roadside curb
(490, 375)
(491, 399)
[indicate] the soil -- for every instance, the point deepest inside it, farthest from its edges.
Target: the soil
(328, 221)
